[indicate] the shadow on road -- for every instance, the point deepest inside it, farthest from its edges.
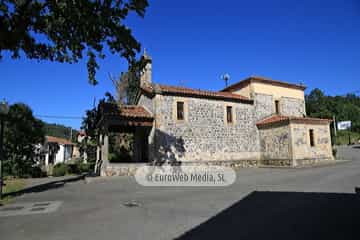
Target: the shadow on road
(285, 215)
(45, 186)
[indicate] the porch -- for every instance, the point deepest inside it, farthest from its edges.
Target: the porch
(124, 138)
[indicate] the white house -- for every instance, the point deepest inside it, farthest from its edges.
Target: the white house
(57, 150)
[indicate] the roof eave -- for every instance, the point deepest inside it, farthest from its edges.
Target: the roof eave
(165, 93)
(247, 81)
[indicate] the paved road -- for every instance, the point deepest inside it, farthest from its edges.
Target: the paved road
(282, 203)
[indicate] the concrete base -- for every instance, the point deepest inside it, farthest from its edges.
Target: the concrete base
(129, 169)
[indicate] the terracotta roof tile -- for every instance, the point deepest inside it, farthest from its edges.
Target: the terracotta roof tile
(258, 79)
(129, 111)
(183, 91)
(58, 140)
(287, 119)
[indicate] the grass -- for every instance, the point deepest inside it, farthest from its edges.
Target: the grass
(342, 137)
(12, 185)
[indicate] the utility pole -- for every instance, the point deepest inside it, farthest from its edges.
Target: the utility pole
(335, 133)
(350, 136)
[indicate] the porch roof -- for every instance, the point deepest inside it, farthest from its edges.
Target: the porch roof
(125, 115)
(276, 119)
(58, 140)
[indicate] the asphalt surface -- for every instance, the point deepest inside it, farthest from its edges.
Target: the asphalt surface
(264, 202)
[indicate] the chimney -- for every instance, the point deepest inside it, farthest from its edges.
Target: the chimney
(146, 76)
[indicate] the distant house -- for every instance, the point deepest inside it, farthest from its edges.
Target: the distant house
(57, 150)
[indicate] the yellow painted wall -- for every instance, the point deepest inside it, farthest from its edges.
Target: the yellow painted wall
(276, 91)
(301, 141)
(245, 91)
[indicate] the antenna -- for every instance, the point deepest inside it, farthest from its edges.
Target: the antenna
(226, 78)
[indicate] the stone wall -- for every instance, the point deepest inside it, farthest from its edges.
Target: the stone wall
(129, 169)
(120, 169)
(147, 103)
(275, 143)
(264, 106)
(204, 135)
(301, 142)
(292, 107)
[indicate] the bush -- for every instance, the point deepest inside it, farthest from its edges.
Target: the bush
(120, 155)
(37, 172)
(86, 167)
(74, 168)
(60, 169)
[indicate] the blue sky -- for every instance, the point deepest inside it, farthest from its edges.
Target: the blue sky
(194, 42)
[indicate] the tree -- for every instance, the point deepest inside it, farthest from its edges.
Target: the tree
(22, 133)
(342, 107)
(128, 84)
(63, 30)
(317, 104)
(121, 85)
(89, 126)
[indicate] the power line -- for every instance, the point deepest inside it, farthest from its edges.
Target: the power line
(58, 117)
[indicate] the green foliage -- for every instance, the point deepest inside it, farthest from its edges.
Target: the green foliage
(344, 136)
(342, 107)
(121, 155)
(121, 147)
(61, 169)
(86, 167)
(73, 168)
(22, 132)
(37, 172)
(89, 125)
(14, 185)
(132, 80)
(63, 31)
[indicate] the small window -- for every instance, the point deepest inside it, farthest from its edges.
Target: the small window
(311, 135)
(229, 116)
(180, 110)
(277, 107)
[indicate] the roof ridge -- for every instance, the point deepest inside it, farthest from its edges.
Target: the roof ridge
(265, 80)
(164, 88)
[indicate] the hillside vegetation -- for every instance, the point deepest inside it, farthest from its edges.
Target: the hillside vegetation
(344, 108)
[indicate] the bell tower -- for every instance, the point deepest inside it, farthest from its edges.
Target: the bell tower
(146, 76)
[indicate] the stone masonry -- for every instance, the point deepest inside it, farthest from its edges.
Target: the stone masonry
(257, 134)
(292, 107)
(205, 135)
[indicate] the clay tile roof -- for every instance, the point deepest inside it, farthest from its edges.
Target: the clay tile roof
(58, 140)
(287, 119)
(128, 111)
(264, 80)
(183, 91)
